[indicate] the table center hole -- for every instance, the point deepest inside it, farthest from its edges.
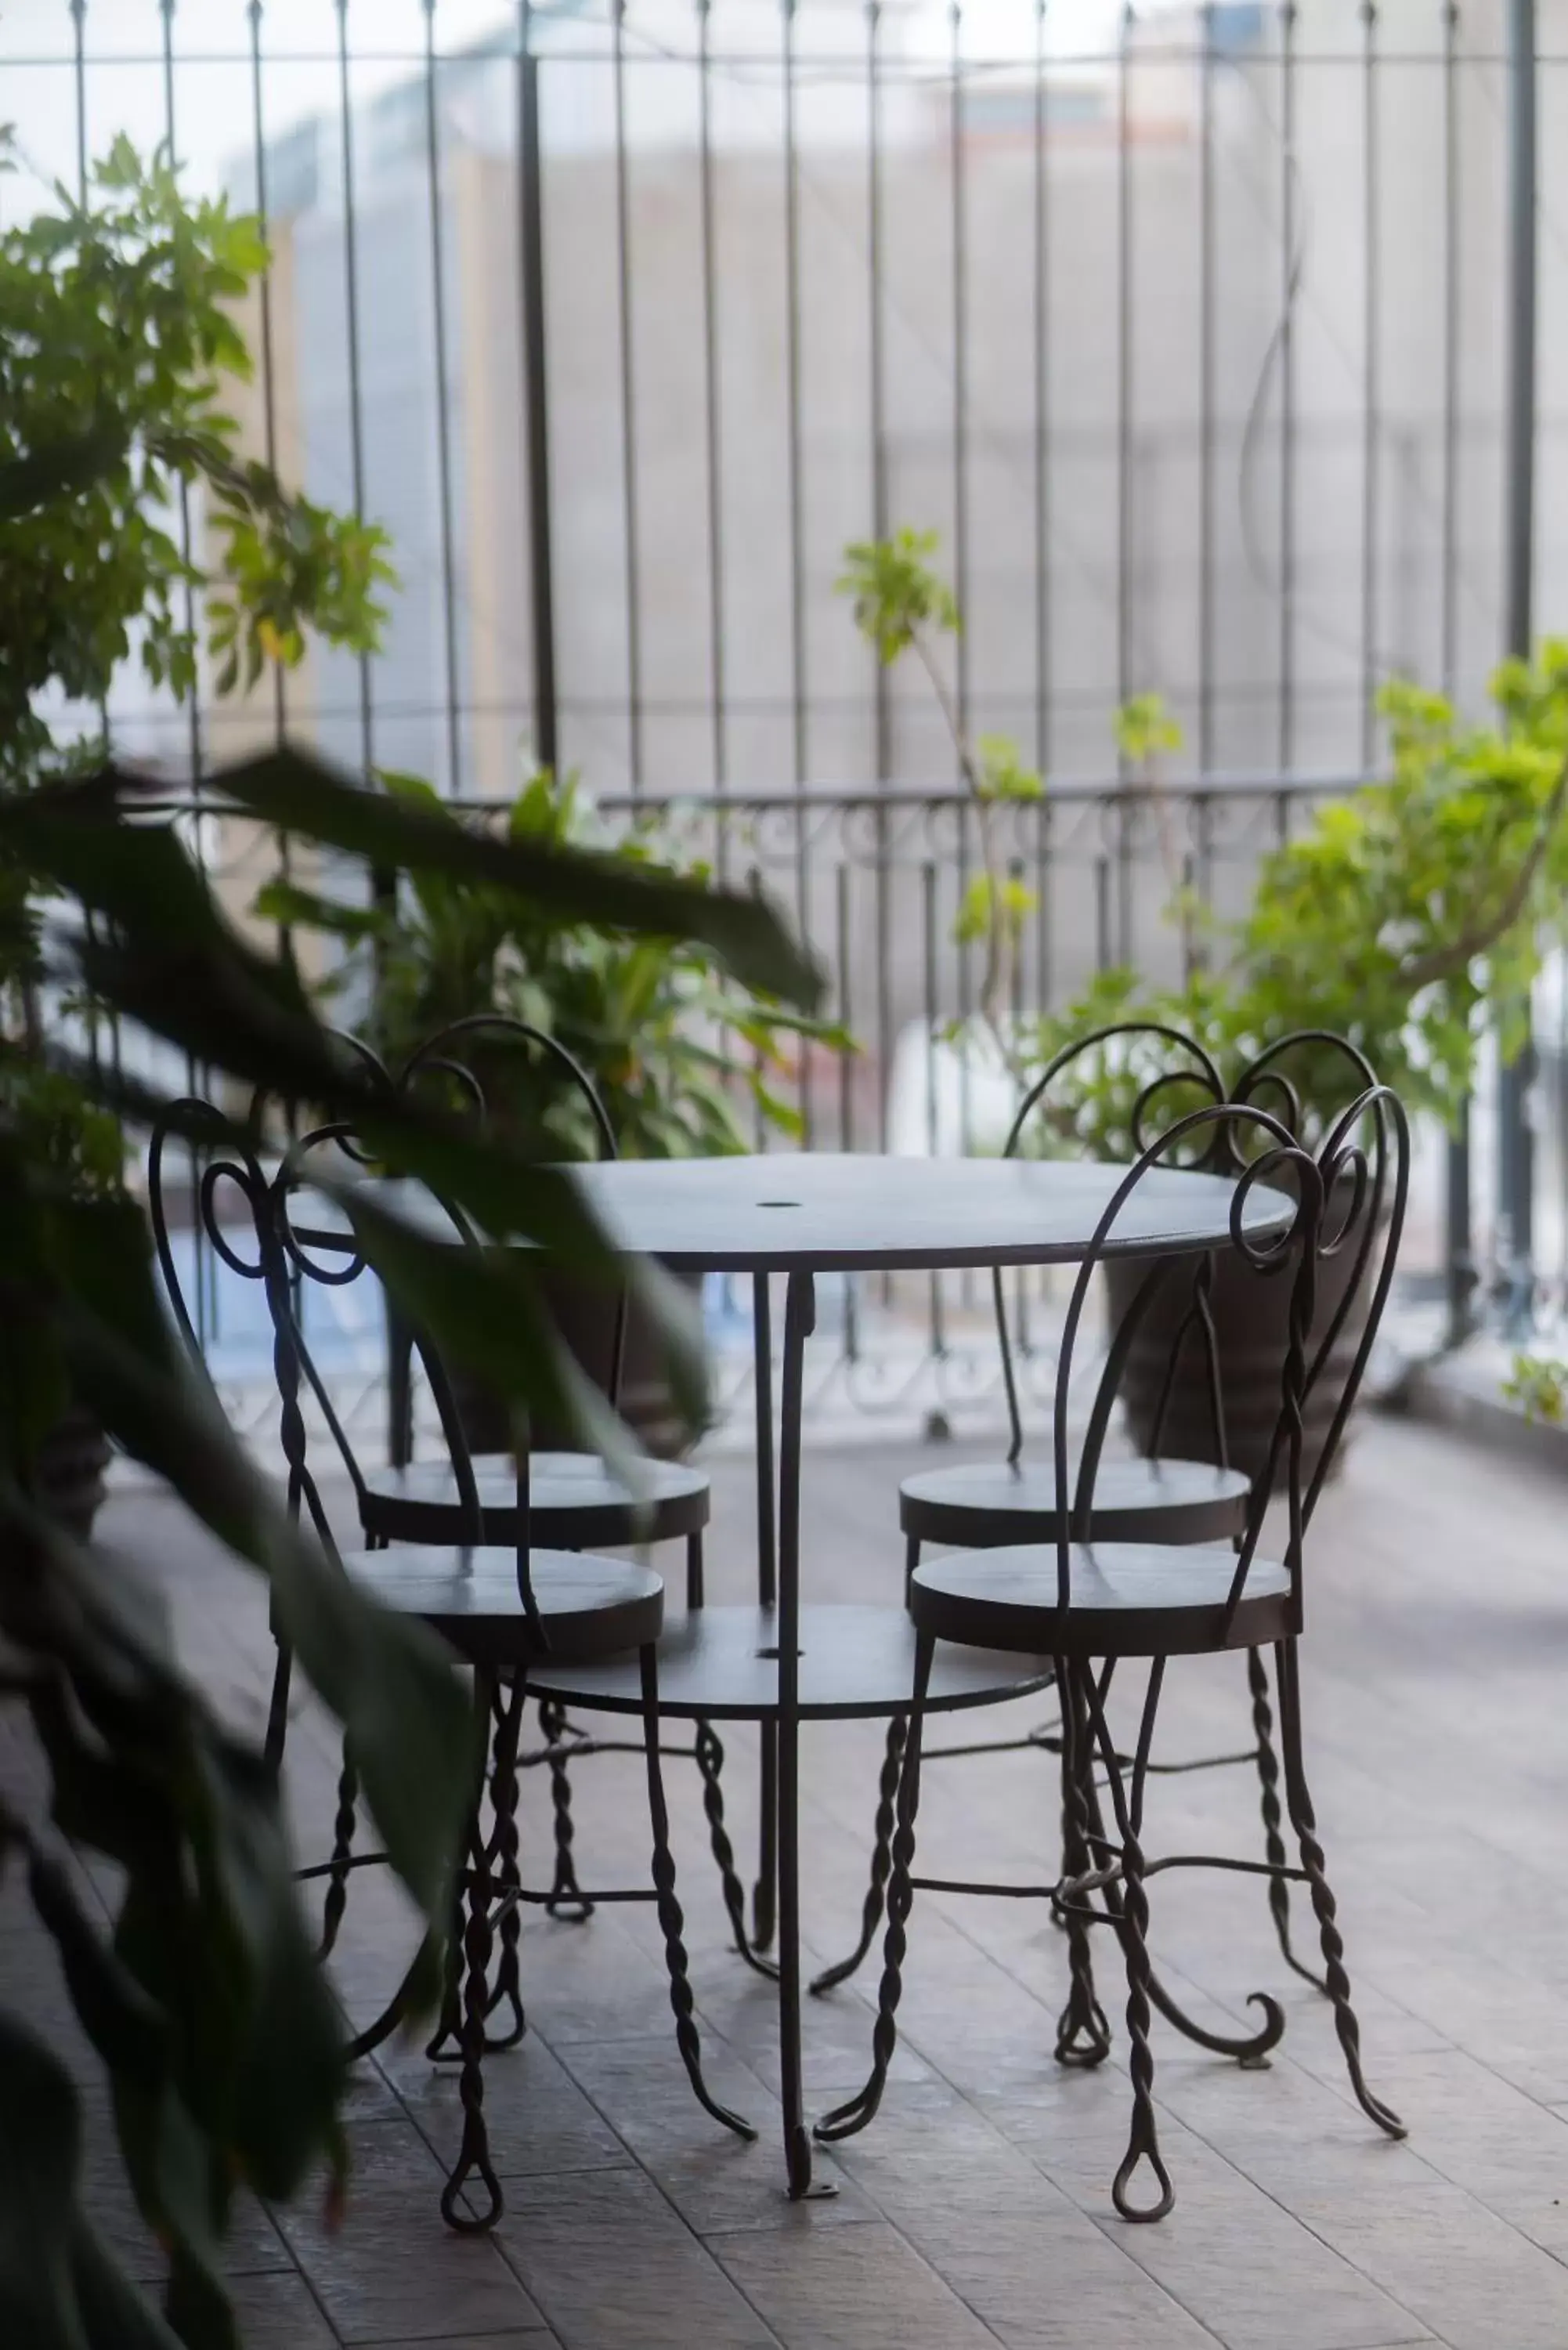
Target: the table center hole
(778, 1203)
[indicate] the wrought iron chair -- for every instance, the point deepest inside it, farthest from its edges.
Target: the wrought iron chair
(503, 1607)
(1092, 1602)
(575, 1502)
(1154, 1496)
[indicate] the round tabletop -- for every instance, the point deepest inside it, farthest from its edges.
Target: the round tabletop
(820, 1212)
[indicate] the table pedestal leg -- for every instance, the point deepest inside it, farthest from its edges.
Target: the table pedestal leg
(765, 1896)
(800, 1315)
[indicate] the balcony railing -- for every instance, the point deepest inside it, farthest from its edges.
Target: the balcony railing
(1205, 337)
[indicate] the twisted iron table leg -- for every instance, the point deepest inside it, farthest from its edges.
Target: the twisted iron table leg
(1274, 1842)
(1324, 1908)
(337, 1899)
(709, 1764)
(565, 1902)
(508, 1985)
(672, 1922)
(1082, 2033)
(881, 1859)
(845, 2120)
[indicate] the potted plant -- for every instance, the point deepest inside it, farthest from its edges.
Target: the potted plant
(115, 341)
(682, 1057)
(220, 2036)
(1409, 919)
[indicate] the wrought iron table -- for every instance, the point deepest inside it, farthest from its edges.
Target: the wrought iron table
(800, 1216)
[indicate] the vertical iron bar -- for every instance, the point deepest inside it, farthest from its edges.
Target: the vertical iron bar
(1461, 1275)
(847, 1091)
(535, 394)
(1515, 1153)
(1206, 380)
(444, 432)
(1124, 365)
(269, 379)
(355, 412)
(960, 381)
(711, 413)
(933, 1133)
(628, 409)
(1451, 461)
(792, 388)
(1370, 391)
(877, 354)
(1287, 618)
(1042, 409)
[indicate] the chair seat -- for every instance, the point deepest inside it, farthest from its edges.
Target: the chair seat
(591, 1607)
(984, 1504)
(574, 1501)
(1126, 1599)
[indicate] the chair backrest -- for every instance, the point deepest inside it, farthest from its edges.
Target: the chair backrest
(446, 1054)
(1155, 1102)
(247, 1196)
(1195, 1071)
(1351, 1193)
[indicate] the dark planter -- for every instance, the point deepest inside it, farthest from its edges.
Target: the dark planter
(68, 1479)
(1251, 1328)
(585, 1317)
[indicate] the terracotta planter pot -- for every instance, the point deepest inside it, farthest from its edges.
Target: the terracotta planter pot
(1251, 1329)
(70, 1473)
(585, 1317)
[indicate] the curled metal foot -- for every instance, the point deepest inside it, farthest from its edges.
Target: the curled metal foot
(1139, 2214)
(1248, 2049)
(565, 1904)
(710, 1753)
(1269, 1803)
(881, 1860)
(1082, 2034)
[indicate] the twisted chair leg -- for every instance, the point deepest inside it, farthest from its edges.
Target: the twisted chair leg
(856, 2111)
(1324, 1909)
(565, 1902)
(881, 1858)
(1082, 2034)
(343, 1827)
(473, 1970)
(1143, 2138)
(277, 1710)
(1269, 1802)
(709, 1764)
(504, 1848)
(671, 1922)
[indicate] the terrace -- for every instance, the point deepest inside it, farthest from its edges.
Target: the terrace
(1221, 349)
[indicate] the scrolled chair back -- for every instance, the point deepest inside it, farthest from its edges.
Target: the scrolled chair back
(1151, 1094)
(270, 1243)
(1351, 1192)
(442, 1055)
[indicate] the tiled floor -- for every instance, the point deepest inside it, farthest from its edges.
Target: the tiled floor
(977, 2208)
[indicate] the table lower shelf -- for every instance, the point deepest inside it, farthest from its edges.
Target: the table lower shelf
(721, 1663)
